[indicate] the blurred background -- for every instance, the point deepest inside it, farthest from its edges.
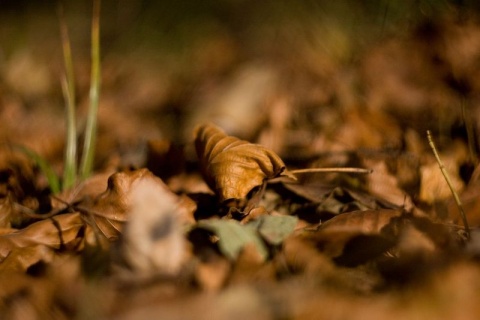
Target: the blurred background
(301, 77)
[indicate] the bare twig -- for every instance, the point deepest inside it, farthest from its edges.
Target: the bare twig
(449, 182)
(332, 170)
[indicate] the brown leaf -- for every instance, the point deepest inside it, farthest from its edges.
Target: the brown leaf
(212, 275)
(20, 259)
(109, 210)
(233, 167)
(434, 187)
(358, 226)
(61, 230)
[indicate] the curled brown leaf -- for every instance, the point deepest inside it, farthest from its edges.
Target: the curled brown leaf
(109, 211)
(233, 167)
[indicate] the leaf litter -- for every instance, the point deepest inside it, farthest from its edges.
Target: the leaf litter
(154, 233)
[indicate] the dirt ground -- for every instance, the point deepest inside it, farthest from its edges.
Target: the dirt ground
(205, 201)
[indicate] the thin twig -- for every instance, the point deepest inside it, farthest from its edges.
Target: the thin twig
(332, 170)
(449, 182)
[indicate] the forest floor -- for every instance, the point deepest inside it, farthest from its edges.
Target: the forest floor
(197, 209)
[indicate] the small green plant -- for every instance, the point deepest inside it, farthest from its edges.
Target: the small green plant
(91, 129)
(68, 88)
(70, 173)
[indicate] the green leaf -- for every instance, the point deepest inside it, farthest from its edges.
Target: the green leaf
(233, 237)
(274, 229)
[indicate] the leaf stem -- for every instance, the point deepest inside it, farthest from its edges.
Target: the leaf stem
(449, 182)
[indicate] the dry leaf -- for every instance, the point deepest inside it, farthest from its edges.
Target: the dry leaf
(212, 275)
(61, 230)
(233, 237)
(357, 237)
(109, 211)
(20, 259)
(434, 187)
(382, 184)
(233, 167)
(153, 240)
(357, 227)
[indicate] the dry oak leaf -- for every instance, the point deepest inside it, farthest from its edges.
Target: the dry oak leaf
(109, 211)
(60, 231)
(233, 167)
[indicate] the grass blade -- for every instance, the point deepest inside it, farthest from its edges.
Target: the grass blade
(91, 128)
(68, 87)
(47, 170)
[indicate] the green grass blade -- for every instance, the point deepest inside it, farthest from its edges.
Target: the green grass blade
(68, 87)
(91, 127)
(47, 170)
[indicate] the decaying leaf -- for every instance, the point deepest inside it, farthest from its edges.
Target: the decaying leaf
(434, 186)
(233, 237)
(233, 167)
(54, 233)
(20, 259)
(153, 240)
(109, 211)
(274, 229)
(356, 235)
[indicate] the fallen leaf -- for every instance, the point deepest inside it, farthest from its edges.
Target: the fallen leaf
(382, 184)
(211, 275)
(251, 267)
(26, 297)
(6, 209)
(56, 232)
(433, 186)
(367, 221)
(109, 210)
(233, 237)
(233, 167)
(21, 258)
(275, 229)
(153, 241)
(355, 234)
